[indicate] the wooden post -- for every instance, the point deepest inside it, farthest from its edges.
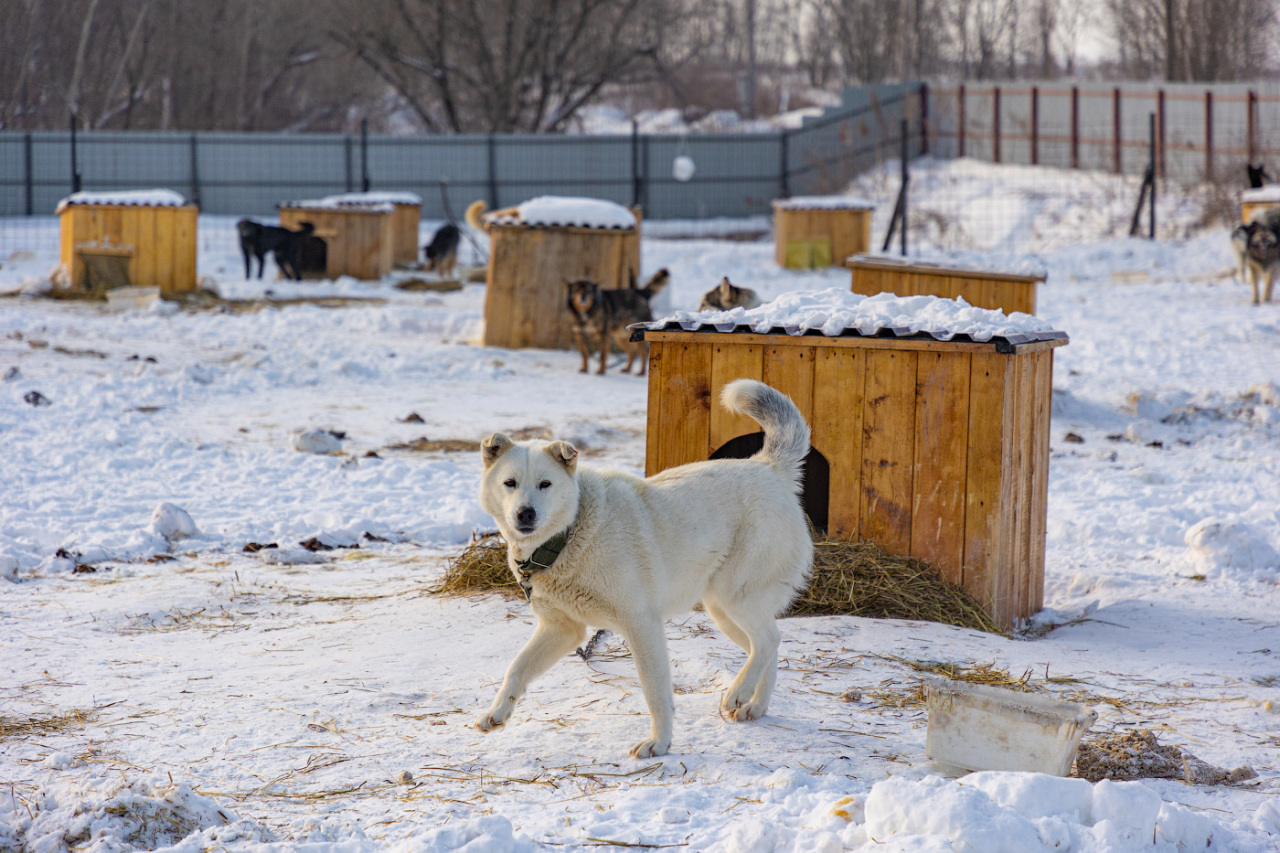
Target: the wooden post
(995, 124)
(1035, 126)
(1208, 135)
(1075, 127)
(1251, 105)
(1160, 164)
(1117, 131)
(960, 121)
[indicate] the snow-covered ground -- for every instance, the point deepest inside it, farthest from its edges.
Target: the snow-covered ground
(184, 692)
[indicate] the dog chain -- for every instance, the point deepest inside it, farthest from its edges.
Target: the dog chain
(589, 649)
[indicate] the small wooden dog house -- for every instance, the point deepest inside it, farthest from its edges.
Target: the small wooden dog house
(1004, 291)
(820, 231)
(535, 248)
(406, 212)
(359, 238)
(937, 449)
(139, 237)
(1255, 201)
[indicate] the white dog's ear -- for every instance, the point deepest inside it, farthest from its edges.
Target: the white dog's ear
(564, 453)
(492, 448)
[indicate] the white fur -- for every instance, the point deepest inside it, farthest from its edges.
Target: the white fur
(729, 533)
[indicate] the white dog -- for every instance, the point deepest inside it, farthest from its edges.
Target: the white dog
(612, 550)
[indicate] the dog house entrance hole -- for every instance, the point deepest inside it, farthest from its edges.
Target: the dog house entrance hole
(816, 472)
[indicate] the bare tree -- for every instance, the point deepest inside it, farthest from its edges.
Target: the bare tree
(1184, 40)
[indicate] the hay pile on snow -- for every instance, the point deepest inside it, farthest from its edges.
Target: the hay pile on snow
(848, 578)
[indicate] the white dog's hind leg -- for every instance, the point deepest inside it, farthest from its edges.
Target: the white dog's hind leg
(551, 640)
(648, 646)
(748, 696)
(727, 625)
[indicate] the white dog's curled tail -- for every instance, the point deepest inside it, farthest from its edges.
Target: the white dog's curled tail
(786, 435)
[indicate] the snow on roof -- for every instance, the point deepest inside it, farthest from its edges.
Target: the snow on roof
(338, 202)
(837, 312)
(1023, 266)
(1270, 192)
(131, 198)
(551, 210)
(374, 198)
(824, 202)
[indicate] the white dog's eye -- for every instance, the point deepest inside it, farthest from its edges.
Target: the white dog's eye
(510, 484)
(545, 484)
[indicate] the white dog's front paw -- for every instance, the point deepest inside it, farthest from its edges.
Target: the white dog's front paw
(651, 748)
(746, 712)
(492, 718)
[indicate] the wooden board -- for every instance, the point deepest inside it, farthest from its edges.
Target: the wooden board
(888, 449)
(525, 299)
(839, 382)
(845, 231)
(938, 477)
(730, 362)
(1000, 292)
(162, 239)
(359, 242)
(405, 219)
(1250, 209)
(685, 412)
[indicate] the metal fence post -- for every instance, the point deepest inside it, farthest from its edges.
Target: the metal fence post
(924, 119)
(29, 168)
(1075, 127)
(635, 163)
(1208, 135)
(1160, 163)
(995, 124)
(1117, 131)
(784, 176)
(1152, 167)
(644, 170)
(906, 178)
(960, 120)
(75, 167)
(1035, 126)
(1251, 105)
(364, 155)
(195, 172)
(492, 154)
(346, 156)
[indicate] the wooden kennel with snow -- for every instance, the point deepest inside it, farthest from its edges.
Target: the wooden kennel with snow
(406, 214)
(934, 449)
(359, 238)
(148, 235)
(1003, 291)
(1255, 201)
(535, 248)
(820, 231)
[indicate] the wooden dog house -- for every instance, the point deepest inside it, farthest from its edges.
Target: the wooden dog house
(1255, 201)
(820, 231)
(140, 237)
(538, 246)
(1003, 291)
(359, 238)
(406, 212)
(934, 449)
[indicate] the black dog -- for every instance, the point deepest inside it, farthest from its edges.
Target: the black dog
(1258, 176)
(285, 246)
(442, 252)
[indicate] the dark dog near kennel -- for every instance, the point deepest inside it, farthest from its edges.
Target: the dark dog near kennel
(256, 240)
(1262, 258)
(1258, 176)
(442, 251)
(603, 315)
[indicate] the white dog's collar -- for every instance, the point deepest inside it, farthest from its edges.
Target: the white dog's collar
(542, 558)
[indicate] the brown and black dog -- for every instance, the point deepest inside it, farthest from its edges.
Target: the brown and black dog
(603, 315)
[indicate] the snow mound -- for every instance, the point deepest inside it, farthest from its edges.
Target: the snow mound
(824, 202)
(144, 814)
(1270, 192)
(836, 311)
(1222, 547)
(314, 441)
(579, 212)
(1026, 812)
(172, 522)
(129, 198)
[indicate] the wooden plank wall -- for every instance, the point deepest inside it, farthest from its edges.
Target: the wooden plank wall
(359, 243)
(525, 300)
(163, 240)
(941, 453)
(1001, 294)
(849, 231)
(404, 226)
(1250, 209)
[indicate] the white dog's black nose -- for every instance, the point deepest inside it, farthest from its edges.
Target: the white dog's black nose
(525, 518)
